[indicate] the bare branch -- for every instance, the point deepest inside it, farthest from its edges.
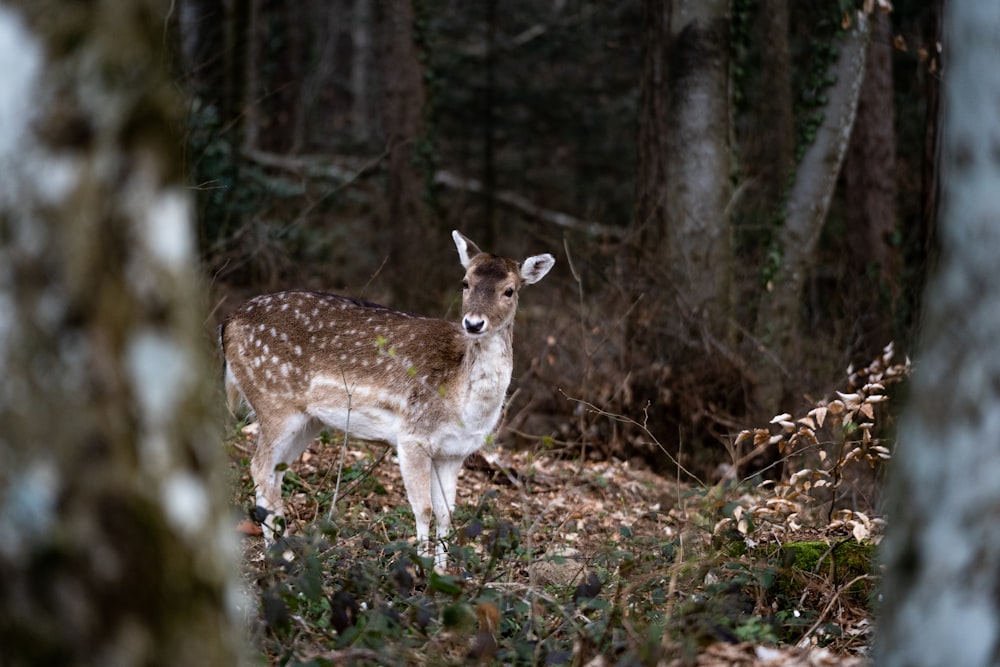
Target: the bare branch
(523, 205)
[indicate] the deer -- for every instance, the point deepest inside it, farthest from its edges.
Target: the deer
(431, 388)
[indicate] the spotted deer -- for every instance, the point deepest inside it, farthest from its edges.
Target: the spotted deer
(431, 388)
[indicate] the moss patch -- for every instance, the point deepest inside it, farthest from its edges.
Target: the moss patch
(810, 562)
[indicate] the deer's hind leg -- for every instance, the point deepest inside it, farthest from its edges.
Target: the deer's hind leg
(279, 442)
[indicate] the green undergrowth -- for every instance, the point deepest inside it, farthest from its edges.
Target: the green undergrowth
(354, 591)
(578, 560)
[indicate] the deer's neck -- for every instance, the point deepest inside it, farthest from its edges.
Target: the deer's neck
(488, 365)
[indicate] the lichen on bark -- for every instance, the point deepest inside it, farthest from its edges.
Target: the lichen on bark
(114, 544)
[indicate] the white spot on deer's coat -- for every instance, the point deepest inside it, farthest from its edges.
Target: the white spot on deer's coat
(298, 350)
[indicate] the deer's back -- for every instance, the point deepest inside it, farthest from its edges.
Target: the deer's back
(328, 355)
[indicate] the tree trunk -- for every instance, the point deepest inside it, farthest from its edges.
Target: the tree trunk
(252, 86)
(112, 548)
(640, 266)
(870, 179)
(649, 220)
(364, 106)
(942, 553)
(778, 318)
(412, 243)
(770, 150)
(697, 251)
(201, 28)
(274, 75)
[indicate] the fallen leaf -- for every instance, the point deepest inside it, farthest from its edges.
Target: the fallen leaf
(249, 528)
(860, 532)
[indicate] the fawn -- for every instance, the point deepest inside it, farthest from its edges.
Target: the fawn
(431, 388)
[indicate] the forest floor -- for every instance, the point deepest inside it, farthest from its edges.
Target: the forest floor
(561, 563)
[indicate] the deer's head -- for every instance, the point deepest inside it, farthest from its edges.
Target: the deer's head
(491, 285)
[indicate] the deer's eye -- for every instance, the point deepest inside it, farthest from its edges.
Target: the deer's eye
(465, 283)
(509, 291)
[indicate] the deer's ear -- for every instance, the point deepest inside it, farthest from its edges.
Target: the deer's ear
(535, 267)
(466, 248)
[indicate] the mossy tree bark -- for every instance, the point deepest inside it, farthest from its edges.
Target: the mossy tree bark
(942, 552)
(778, 324)
(112, 546)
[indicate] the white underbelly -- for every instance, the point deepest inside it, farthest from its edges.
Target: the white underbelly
(363, 423)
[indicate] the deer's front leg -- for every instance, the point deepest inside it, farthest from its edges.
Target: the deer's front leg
(415, 465)
(444, 481)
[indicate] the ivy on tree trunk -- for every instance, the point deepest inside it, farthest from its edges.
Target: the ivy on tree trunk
(778, 317)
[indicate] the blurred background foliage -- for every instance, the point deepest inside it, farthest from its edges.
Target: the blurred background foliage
(333, 145)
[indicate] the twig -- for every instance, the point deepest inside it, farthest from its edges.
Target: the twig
(804, 641)
(819, 562)
(367, 471)
(343, 450)
(629, 420)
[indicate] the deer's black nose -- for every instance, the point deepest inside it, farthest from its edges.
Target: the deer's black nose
(474, 326)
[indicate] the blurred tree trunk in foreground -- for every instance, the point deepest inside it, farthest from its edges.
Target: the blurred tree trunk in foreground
(942, 552)
(112, 549)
